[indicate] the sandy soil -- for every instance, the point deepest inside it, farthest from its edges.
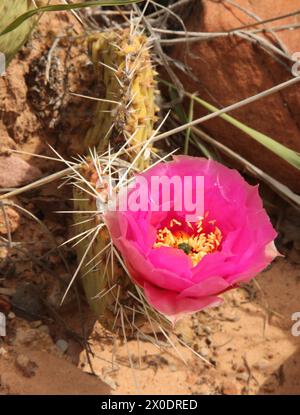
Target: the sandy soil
(247, 342)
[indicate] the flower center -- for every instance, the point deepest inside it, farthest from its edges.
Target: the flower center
(194, 239)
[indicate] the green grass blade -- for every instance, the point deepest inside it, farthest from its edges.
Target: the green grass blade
(61, 7)
(289, 155)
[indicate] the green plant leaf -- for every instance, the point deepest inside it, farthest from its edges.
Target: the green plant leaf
(60, 7)
(289, 155)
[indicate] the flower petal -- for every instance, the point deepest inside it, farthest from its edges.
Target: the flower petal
(173, 306)
(141, 269)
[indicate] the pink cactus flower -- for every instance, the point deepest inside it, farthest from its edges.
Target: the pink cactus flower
(181, 265)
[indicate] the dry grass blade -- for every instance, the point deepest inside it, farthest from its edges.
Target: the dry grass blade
(278, 187)
(38, 183)
(271, 19)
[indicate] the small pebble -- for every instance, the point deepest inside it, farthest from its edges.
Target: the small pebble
(173, 368)
(3, 352)
(207, 330)
(27, 302)
(229, 388)
(261, 365)
(44, 328)
(204, 351)
(36, 324)
(25, 336)
(110, 382)
(269, 389)
(242, 377)
(62, 345)
(25, 365)
(241, 369)
(208, 341)
(11, 315)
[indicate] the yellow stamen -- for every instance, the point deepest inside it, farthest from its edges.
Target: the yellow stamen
(175, 222)
(196, 244)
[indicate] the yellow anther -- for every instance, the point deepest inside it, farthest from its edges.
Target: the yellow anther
(195, 244)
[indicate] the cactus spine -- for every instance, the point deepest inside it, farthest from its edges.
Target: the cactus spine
(123, 62)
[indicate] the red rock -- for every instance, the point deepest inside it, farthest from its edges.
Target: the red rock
(229, 69)
(229, 388)
(11, 218)
(15, 172)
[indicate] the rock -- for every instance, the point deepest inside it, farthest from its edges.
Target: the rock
(262, 365)
(25, 336)
(228, 69)
(22, 171)
(241, 369)
(204, 351)
(11, 218)
(232, 317)
(173, 368)
(243, 377)
(3, 352)
(269, 389)
(55, 376)
(25, 365)
(44, 328)
(36, 324)
(11, 315)
(229, 388)
(62, 345)
(207, 330)
(27, 302)
(208, 341)
(110, 382)
(35, 338)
